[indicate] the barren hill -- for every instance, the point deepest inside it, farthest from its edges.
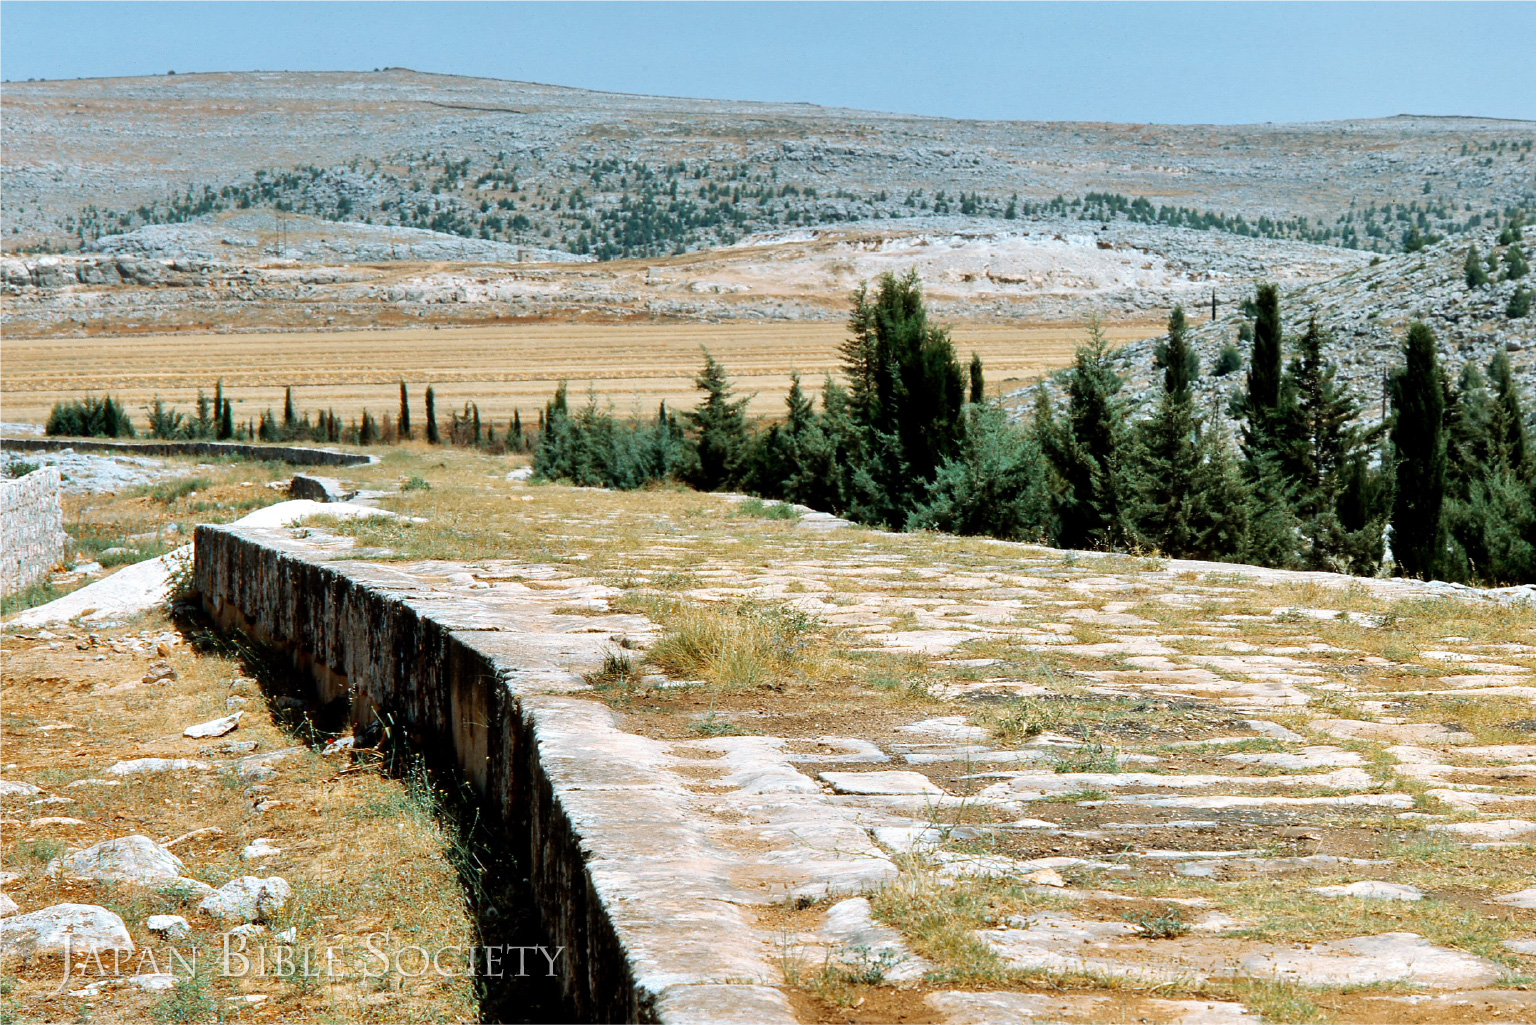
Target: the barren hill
(623, 175)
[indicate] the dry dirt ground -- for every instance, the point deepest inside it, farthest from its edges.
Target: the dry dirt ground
(362, 852)
(515, 366)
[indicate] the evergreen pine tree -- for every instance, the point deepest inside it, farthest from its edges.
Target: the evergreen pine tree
(1190, 500)
(1419, 457)
(1087, 450)
(403, 419)
(1317, 440)
(205, 419)
(1516, 266)
(1473, 271)
(433, 437)
(978, 385)
(720, 427)
(906, 391)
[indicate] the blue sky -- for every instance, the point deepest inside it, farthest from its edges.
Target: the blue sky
(1142, 62)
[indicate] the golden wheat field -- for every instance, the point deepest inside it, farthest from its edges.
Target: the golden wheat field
(500, 368)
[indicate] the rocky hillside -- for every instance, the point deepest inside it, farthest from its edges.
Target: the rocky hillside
(1368, 311)
(613, 175)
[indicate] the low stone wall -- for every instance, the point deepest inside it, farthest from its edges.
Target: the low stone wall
(32, 537)
(621, 877)
(293, 454)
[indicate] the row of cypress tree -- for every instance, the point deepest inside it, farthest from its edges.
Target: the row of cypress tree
(910, 443)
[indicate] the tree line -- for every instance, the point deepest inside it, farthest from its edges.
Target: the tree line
(214, 420)
(907, 441)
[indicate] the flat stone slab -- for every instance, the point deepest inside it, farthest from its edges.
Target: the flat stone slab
(139, 766)
(1395, 733)
(958, 1007)
(1496, 829)
(1520, 899)
(1321, 757)
(1389, 957)
(861, 943)
(1371, 889)
(894, 782)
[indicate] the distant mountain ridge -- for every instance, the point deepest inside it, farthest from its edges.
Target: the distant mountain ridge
(612, 174)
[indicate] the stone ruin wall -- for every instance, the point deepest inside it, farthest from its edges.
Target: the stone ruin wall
(32, 537)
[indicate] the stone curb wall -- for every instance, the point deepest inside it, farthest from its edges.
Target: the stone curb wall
(32, 537)
(294, 454)
(485, 699)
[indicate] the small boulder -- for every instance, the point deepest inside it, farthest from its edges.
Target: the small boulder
(318, 489)
(7, 906)
(9, 788)
(171, 927)
(160, 671)
(127, 859)
(247, 899)
(261, 847)
(214, 727)
(64, 928)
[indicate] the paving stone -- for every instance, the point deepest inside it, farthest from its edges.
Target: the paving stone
(1520, 899)
(1371, 889)
(1307, 758)
(893, 782)
(1496, 829)
(1389, 957)
(1406, 733)
(861, 942)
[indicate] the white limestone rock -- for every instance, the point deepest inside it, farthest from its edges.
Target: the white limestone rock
(7, 906)
(139, 766)
(1372, 889)
(64, 928)
(127, 859)
(890, 783)
(247, 899)
(1389, 957)
(171, 927)
(214, 727)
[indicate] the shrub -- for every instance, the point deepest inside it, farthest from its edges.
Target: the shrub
(1228, 360)
(90, 417)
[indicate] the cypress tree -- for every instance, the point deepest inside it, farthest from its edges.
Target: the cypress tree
(288, 411)
(475, 423)
(227, 421)
(1419, 456)
(978, 386)
(1263, 384)
(403, 419)
(219, 431)
(433, 438)
(204, 418)
(515, 440)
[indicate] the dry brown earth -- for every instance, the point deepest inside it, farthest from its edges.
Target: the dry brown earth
(503, 368)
